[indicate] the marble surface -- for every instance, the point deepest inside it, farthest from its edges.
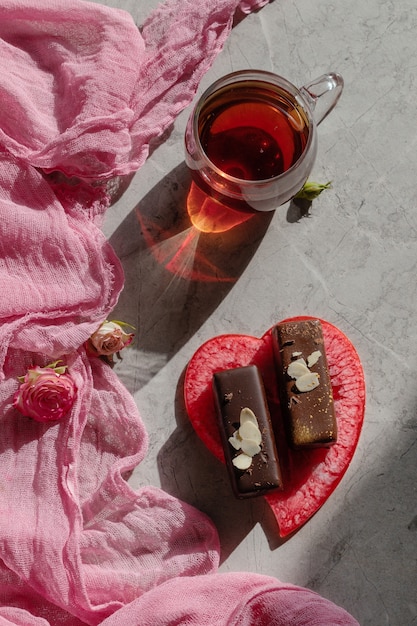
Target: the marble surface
(351, 260)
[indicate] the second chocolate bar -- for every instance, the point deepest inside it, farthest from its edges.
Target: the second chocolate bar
(304, 380)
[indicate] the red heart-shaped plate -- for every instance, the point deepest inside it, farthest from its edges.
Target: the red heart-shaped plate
(311, 476)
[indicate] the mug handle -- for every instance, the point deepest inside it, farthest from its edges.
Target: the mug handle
(322, 94)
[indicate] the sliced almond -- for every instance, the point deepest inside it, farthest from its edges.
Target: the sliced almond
(297, 368)
(250, 447)
(247, 415)
(313, 358)
(248, 430)
(307, 382)
(242, 461)
(235, 441)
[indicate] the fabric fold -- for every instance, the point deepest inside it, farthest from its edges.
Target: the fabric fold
(102, 90)
(84, 540)
(233, 599)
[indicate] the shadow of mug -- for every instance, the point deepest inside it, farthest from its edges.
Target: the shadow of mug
(176, 275)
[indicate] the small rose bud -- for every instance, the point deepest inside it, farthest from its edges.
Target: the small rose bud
(110, 338)
(311, 190)
(46, 394)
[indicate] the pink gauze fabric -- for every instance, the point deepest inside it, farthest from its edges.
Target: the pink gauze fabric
(83, 93)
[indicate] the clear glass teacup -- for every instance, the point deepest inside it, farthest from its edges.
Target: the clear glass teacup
(251, 139)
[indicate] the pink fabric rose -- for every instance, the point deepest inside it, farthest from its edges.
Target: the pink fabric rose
(109, 339)
(46, 393)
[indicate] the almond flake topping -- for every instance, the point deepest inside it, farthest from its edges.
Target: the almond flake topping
(247, 438)
(313, 358)
(307, 382)
(242, 461)
(299, 370)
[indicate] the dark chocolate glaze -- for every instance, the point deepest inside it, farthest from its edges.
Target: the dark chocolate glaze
(310, 415)
(234, 390)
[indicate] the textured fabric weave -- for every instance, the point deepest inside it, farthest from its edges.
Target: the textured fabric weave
(83, 93)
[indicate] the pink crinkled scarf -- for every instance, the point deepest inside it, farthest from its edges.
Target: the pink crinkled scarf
(83, 92)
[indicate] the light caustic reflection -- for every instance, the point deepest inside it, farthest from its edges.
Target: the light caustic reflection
(209, 215)
(185, 251)
(198, 238)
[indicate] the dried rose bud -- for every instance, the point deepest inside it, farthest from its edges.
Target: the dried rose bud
(311, 190)
(46, 394)
(110, 338)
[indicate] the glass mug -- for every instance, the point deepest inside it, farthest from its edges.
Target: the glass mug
(251, 140)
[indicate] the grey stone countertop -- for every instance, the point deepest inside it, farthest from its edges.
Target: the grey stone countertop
(351, 259)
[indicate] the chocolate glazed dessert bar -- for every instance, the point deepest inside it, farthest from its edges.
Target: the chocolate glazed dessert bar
(246, 431)
(304, 382)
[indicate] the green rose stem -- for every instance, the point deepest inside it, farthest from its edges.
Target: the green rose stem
(58, 369)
